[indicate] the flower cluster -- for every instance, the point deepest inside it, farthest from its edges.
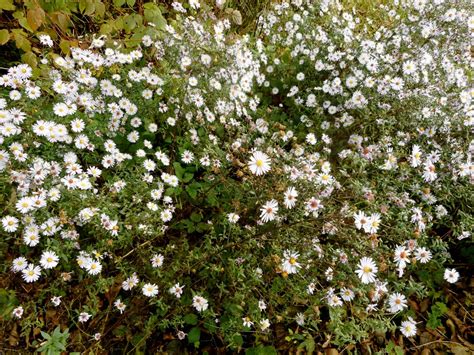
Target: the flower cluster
(314, 165)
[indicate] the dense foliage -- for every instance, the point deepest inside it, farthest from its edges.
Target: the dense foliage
(311, 176)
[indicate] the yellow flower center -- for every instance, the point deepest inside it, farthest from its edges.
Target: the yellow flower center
(259, 163)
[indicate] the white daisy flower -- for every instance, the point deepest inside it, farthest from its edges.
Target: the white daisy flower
(451, 275)
(268, 211)
(290, 197)
(423, 255)
(233, 217)
(49, 260)
(93, 267)
(150, 290)
(397, 302)
(10, 224)
(366, 270)
(19, 264)
(157, 260)
(408, 327)
(31, 273)
(200, 303)
(290, 263)
(259, 163)
(176, 290)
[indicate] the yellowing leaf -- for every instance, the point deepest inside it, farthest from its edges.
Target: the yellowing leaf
(7, 5)
(237, 17)
(66, 45)
(4, 36)
(62, 20)
(21, 41)
(35, 17)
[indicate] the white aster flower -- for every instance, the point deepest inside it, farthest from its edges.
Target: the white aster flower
(10, 224)
(49, 260)
(233, 217)
(176, 290)
(408, 327)
(157, 260)
(19, 264)
(31, 273)
(18, 312)
(366, 270)
(259, 163)
(397, 302)
(200, 303)
(150, 290)
(451, 275)
(247, 322)
(290, 263)
(268, 211)
(290, 197)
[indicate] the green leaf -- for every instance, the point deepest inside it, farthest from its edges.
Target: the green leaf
(87, 7)
(179, 170)
(261, 350)
(46, 336)
(437, 311)
(24, 23)
(235, 309)
(106, 28)
(308, 344)
(196, 217)
(21, 41)
(99, 9)
(191, 319)
(238, 340)
(30, 59)
(194, 335)
(119, 3)
(192, 191)
(153, 15)
(188, 177)
(129, 23)
(131, 2)
(7, 5)
(4, 36)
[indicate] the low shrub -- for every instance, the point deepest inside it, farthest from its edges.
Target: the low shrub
(219, 188)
